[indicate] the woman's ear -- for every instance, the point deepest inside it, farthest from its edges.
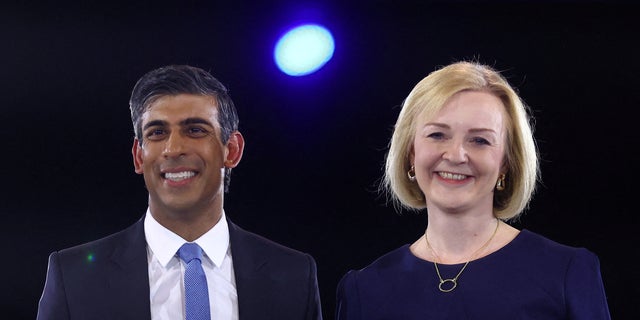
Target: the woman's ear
(411, 155)
(504, 168)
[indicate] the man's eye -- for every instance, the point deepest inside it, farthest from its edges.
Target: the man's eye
(155, 134)
(197, 132)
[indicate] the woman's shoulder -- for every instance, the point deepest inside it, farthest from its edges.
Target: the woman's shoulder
(388, 262)
(539, 246)
(385, 267)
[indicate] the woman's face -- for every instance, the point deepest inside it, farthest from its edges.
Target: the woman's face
(459, 153)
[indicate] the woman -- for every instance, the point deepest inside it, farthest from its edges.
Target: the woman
(463, 149)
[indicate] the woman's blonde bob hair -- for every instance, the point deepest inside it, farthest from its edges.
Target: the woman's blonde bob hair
(426, 99)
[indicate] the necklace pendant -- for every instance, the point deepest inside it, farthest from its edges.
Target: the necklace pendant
(447, 285)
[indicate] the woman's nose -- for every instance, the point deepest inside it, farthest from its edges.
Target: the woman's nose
(455, 152)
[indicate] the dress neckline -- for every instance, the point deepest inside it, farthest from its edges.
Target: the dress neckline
(506, 247)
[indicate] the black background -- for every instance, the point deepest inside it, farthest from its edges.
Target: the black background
(315, 145)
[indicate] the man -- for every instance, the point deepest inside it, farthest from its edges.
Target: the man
(186, 143)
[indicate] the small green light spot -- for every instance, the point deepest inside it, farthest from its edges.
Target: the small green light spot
(90, 257)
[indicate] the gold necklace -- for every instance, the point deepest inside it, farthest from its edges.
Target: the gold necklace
(454, 281)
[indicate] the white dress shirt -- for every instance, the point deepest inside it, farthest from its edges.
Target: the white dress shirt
(166, 271)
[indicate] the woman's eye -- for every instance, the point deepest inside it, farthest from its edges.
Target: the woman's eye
(436, 135)
(479, 140)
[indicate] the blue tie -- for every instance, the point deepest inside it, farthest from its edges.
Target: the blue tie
(196, 294)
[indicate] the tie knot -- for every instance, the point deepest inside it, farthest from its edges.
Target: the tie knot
(190, 251)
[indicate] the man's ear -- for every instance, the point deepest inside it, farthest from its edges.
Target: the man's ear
(235, 147)
(136, 152)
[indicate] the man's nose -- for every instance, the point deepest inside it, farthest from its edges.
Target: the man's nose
(174, 146)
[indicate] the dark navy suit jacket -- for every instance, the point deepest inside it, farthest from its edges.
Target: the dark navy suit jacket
(108, 279)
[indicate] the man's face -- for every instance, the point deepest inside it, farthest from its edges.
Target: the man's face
(181, 156)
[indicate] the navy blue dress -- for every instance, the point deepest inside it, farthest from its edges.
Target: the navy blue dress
(532, 277)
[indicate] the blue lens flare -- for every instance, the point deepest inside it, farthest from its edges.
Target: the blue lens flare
(304, 49)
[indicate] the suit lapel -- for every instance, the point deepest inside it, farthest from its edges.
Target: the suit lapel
(129, 277)
(249, 266)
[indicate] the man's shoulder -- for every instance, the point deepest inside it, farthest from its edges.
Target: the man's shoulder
(250, 242)
(94, 248)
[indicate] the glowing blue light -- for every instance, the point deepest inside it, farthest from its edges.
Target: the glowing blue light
(304, 49)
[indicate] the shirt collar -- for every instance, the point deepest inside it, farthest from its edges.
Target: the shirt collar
(164, 243)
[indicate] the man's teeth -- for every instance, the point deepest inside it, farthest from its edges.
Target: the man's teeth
(452, 176)
(177, 176)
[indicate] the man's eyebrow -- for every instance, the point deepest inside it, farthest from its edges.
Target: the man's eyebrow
(185, 122)
(189, 121)
(154, 123)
